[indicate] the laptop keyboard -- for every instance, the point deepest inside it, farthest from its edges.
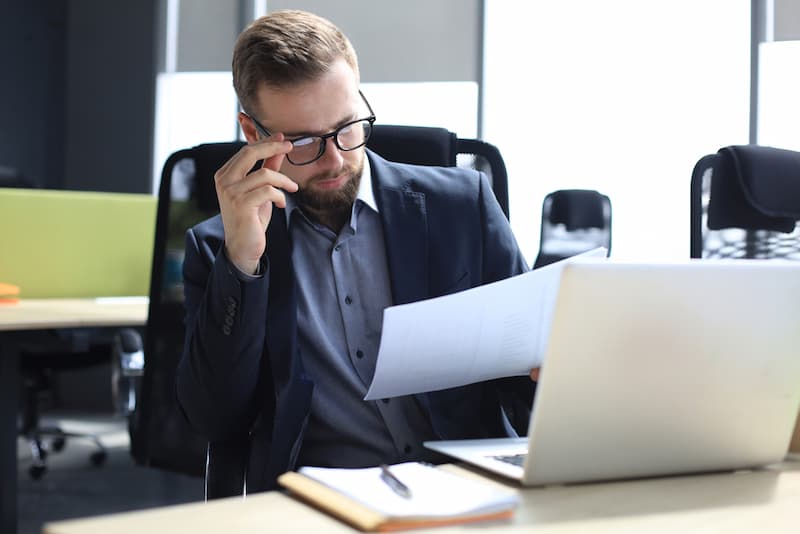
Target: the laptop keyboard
(513, 459)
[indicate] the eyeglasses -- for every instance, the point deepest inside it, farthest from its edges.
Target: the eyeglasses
(310, 148)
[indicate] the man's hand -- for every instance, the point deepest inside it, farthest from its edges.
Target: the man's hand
(535, 374)
(245, 200)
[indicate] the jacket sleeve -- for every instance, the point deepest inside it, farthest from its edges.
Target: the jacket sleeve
(219, 373)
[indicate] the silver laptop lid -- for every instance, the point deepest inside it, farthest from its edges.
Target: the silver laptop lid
(667, 368)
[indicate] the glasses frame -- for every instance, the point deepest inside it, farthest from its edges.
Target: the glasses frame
(324, 137)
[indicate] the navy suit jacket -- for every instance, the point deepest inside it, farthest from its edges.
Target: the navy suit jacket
(241, 380)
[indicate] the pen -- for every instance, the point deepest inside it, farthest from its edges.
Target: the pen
(393, 482)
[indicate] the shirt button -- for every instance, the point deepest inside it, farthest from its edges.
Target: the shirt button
(359, 354)
(348, 300)
(337, 248)
(385, 401)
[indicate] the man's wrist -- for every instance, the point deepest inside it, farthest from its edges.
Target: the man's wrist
(247, 271)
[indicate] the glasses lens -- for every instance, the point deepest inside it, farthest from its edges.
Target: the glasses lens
(353, 135)
(305, 150)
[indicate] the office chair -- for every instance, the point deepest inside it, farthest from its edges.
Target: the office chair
(41, 359)
(573, 221)
(745, 203)
(11, 177)
(423, 145)
(160, 435)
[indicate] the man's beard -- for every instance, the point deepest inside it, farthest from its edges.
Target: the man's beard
(331, 206)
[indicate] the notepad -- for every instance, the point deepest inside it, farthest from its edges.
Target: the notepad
(361, 498)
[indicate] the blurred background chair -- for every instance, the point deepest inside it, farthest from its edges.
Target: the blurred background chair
(573, 221)
(745, 203)
(11, 177)
(41, 361)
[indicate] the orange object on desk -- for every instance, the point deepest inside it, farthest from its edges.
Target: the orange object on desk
(9, 293)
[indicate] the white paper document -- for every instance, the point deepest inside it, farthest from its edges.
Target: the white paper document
(491, 331)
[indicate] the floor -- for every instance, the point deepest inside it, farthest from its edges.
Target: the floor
(73, 487)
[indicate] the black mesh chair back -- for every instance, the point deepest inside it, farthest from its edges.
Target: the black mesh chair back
(745, 203)
(11, 177)
(160, 435)
(423, 145)
(573, 221)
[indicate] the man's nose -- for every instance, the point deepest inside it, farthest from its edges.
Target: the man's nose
(332, 157)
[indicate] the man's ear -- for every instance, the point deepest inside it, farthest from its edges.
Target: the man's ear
(248, 128)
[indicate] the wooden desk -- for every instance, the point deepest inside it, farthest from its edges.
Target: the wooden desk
(43, 314)
(765, 500)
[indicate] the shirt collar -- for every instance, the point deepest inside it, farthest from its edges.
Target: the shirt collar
(365, 193)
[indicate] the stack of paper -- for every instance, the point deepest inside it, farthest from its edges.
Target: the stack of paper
(436, 497)
(491, 331)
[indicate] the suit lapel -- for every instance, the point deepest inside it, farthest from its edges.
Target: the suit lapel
(281, 333)
(405, 230)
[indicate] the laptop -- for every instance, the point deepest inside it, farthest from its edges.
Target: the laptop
(659, 369)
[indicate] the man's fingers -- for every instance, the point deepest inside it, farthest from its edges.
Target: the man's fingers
(237, 167)
(274, 163)
(261, 178)
(535, 374)
(259, 187)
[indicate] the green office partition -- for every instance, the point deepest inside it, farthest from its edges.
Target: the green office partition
(76, 244)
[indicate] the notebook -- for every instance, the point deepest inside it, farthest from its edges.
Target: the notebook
(659, 369)
(430, 496)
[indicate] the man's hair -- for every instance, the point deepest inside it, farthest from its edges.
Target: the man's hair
(284, 49)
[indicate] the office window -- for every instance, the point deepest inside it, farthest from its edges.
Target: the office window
(621, 96)
(192, 108)
(201, 107)
(778, 90)
(451, 105)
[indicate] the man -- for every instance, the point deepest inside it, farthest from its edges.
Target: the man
(285, 289)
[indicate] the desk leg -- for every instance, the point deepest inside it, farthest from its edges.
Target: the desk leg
(9, 400)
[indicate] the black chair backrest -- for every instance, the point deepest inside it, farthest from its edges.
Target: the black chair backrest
(573, 221)
(160, 435)
(745, 203)
(11, 177)
(423, 145)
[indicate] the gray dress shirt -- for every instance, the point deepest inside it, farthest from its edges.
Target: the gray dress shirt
(342, 288)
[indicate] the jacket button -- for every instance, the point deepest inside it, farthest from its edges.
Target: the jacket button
(348, 300)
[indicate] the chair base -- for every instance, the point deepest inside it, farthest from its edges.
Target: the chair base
(40, 448)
